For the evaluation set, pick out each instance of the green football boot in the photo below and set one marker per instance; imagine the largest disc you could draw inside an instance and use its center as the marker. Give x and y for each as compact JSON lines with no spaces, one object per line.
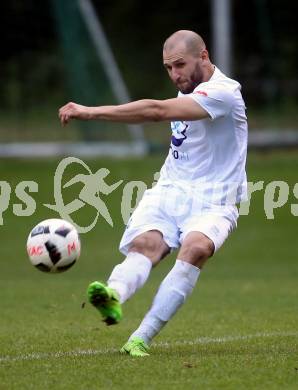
{"x":135,"y":347}
{"x":106,"y":301}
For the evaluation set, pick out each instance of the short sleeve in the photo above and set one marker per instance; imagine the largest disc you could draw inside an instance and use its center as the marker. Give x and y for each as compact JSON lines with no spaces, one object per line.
{"x":217,"y":102}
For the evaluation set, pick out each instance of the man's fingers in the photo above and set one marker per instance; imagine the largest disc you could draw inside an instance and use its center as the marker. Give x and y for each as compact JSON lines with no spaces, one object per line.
{"x":64,"y":119}
{"x":63,"y":108}
{"x":64,"y":113}
{"x":68,"y":112}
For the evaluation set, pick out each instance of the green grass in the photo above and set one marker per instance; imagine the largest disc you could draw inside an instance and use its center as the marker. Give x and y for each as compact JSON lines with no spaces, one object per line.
{"x":238,"y":330}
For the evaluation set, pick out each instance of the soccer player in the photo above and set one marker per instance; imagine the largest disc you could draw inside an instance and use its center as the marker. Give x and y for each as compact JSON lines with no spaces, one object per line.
{"x":193,"y":205}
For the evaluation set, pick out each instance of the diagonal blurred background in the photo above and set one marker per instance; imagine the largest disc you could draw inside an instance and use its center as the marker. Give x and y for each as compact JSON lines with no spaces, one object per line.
{"x":52,"y":53}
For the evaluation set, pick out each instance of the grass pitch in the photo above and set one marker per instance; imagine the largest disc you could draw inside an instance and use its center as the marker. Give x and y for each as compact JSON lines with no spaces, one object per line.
{"x":238,"y":330}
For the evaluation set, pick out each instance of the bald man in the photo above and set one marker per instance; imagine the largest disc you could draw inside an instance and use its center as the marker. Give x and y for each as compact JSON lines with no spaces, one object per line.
{"x":192,"y":208}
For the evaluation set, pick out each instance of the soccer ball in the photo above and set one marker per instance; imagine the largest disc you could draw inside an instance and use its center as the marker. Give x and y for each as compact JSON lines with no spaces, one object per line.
{"x":53,"y":245}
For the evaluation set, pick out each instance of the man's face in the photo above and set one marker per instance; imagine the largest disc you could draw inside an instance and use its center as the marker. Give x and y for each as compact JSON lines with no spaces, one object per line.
{"x":184,"y":69}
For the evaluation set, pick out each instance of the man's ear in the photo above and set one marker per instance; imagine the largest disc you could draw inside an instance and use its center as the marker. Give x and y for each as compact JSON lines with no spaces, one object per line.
{"x":205,"y":54}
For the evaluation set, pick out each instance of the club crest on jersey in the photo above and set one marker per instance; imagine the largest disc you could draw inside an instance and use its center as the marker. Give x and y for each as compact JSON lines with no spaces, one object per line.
{"x":178,"y":132}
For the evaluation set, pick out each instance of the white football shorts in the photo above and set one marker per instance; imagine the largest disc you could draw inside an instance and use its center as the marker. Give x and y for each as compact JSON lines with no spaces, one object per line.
{"x":176,"y":211}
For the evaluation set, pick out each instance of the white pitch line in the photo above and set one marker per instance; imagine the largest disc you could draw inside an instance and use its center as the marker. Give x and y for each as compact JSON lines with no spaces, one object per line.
{"x":225,"y":339}
{"x":92,"y":352}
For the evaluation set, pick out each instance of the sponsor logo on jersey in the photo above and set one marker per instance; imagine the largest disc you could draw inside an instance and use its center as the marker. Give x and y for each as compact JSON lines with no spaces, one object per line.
{"x":178,"y":132}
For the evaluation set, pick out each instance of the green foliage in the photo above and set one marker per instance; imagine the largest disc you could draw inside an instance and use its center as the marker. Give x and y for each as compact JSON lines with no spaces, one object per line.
{"x":38,"y":59}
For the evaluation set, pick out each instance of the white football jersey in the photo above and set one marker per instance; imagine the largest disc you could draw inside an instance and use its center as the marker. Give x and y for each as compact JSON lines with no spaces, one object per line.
{"x":209,"y":155}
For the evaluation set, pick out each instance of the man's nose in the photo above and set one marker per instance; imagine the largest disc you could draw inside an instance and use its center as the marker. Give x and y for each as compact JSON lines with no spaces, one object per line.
{"x":175,"y":75}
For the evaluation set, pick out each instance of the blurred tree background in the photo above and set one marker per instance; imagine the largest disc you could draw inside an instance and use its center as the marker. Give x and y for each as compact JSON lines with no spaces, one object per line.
{"x":37,"y":59}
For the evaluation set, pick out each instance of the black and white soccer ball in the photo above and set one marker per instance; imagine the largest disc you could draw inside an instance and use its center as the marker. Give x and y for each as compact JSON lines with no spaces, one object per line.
{"x":53,"y":245}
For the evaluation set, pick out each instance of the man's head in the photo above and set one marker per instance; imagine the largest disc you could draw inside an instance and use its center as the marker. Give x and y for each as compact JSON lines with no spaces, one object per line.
{"x":186,"y":59}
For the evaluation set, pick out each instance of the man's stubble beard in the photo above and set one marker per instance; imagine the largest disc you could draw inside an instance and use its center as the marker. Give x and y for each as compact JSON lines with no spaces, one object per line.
{"x":195,"y":79}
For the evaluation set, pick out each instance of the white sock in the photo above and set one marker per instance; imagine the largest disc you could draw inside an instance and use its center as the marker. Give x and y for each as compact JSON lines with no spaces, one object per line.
{"x":172,"y":293}
{"x":127,"y":277}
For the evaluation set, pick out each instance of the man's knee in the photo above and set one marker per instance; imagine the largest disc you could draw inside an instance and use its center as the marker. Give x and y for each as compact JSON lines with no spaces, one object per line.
{"x":199,"y":251}
{"x":143,"y":242}
{"x":151,"y":244}
{"x":196,"y":249}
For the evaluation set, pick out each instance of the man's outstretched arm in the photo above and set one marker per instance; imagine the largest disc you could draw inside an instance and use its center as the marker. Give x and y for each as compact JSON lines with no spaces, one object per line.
{"x":140,"y":111}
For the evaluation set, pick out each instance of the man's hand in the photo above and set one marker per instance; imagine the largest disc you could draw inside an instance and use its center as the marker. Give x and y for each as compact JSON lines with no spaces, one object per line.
{"x":73,"y":111}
